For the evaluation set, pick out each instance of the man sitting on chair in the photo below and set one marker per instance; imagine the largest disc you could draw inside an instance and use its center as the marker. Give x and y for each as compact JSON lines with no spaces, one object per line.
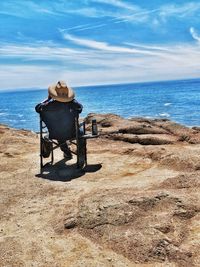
{"x":60,"y":110}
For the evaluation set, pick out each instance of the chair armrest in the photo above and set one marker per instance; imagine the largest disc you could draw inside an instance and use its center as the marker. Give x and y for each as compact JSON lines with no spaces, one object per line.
{"x":89,"y":136}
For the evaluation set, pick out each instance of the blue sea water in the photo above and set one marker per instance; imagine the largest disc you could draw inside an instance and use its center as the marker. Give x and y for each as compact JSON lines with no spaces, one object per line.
{"x":175,"y":100}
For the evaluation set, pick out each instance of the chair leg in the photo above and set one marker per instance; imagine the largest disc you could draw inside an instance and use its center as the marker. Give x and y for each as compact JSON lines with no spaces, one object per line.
{"x":52,"y":156}
{"x":41,"y":158}
{"x":85,"y":151}
{"x":78,"y":157}
{"x":77,"y":153}
{"x":81,"y":153}
{"x":41,"y":163}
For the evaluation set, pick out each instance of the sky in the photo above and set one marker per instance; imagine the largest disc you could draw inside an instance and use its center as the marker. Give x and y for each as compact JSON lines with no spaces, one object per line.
{"x":90,"y":42}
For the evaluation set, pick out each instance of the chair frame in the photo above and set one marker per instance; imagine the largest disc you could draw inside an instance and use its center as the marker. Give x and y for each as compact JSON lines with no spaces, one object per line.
{"x":75,"y":141}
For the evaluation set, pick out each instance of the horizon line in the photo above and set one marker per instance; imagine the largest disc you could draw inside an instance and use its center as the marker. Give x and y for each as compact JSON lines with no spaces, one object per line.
{"x":95,"y":85}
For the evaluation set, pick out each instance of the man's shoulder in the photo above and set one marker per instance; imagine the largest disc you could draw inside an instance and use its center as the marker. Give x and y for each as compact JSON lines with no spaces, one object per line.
{"x":41,"y":106}
{"x":76,"y":105}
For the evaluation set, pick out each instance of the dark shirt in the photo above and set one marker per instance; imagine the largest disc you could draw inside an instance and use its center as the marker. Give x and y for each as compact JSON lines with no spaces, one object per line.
{"x":59,"y":117}
{"x":74,"y":104}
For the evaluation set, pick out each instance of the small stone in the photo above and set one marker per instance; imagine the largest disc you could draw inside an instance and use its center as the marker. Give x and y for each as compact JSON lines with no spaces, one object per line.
{"x":70,"y":223}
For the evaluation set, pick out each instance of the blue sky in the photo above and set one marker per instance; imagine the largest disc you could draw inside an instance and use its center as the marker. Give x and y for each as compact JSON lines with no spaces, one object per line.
{"x":97,"y":41}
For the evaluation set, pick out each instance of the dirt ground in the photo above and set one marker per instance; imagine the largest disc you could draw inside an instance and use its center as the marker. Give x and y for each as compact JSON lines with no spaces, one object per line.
{"x":134,"y":205}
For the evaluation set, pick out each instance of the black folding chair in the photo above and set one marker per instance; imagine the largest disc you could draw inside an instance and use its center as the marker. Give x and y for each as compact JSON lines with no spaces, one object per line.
{"x":79,"y":141}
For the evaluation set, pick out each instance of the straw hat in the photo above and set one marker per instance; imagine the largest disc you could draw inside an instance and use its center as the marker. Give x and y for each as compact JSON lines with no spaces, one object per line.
{"x":61,"y":92}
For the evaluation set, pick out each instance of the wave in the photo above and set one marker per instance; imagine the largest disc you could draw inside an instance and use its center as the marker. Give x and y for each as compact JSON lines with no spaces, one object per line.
{"x":167,"y":104}
{"x":164,"y":115}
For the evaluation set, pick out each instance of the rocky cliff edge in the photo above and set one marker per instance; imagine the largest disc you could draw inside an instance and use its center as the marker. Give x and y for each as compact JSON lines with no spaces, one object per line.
{"x":136,"y":203}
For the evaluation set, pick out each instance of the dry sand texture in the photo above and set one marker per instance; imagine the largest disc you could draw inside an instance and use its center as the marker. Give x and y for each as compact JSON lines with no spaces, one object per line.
{"x":136,"y":204}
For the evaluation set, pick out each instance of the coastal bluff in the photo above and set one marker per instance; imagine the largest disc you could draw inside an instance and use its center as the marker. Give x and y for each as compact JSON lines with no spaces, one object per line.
{"x":137,"y":203}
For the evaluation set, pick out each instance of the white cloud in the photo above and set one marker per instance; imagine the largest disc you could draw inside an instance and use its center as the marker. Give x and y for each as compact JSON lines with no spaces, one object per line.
{"x":114,"y":69}
{"x":102,"y":64}
{"x":150,"y":47}
{"x":187,"y":9}
{"x":39,"y":52}
{"x":140,"y":16}
{"x":120,"y":11}
{"x":117,"y":3}
{"x":25,"y":9}
{"x":106,"y":47}
{"x":83,"y":27}
{"x":133,"y":13}
{"x":26,"y":76}
{"x":194,"y":34}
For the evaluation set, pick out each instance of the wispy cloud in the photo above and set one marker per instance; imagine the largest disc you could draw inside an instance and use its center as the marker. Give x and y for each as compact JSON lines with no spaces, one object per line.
{"x":139,"y":16}
{"x":118,"y":3}
{"x":103,"y":62}
{"x":33,"y":76}
{"x":78,"y":27}
{"x":25,"y":9}
{"x":108,"y":40}
{"x":112,"y":68}
{"x":83,"y":27}
{"x":181,"y":10}
{"x":37,"y":52}
{"x":135,"y":14}
{"x":103,"y":46}
{"x":119,"y":10}
{"x":149,"y":47}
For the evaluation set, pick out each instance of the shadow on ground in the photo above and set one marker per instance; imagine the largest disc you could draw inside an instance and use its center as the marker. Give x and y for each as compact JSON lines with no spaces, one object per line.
{"x":60,"y":171}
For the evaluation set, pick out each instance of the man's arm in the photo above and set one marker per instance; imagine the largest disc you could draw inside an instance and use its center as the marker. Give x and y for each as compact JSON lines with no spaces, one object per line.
{"x":77,"y":106}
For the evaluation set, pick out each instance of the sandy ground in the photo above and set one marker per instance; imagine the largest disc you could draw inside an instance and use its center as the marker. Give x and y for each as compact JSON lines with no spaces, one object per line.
{"x":134,"y":205}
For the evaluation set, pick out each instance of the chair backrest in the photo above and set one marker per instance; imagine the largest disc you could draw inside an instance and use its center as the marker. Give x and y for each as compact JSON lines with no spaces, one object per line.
{"x":60,"y":120}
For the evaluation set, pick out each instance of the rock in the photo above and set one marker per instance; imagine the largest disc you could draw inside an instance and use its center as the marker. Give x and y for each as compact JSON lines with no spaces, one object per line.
{"x":136,"y":203}
{"x":144,"y":139}
{"x":70,"y":223}
{"x":143,"y":224}
{"x":143,"y":131}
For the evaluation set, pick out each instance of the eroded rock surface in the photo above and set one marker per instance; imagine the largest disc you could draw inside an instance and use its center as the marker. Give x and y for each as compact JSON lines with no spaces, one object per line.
{"x":150,"y":228}
{"x":136,"y":204}
{"x":144,"y":131}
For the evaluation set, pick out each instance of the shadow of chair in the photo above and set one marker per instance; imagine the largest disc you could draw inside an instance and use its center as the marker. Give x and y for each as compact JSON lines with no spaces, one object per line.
{"x":65,"y":173}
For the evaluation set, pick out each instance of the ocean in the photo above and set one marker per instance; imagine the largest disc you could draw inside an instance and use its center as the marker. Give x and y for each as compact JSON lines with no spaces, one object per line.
{"x":178,"y":101}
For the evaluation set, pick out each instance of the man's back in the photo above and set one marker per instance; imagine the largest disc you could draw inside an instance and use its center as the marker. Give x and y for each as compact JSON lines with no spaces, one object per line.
{"x":59,"y":118}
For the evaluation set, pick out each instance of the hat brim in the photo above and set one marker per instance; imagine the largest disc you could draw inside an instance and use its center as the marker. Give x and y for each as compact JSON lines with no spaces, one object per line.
{"x":53,"y":94}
